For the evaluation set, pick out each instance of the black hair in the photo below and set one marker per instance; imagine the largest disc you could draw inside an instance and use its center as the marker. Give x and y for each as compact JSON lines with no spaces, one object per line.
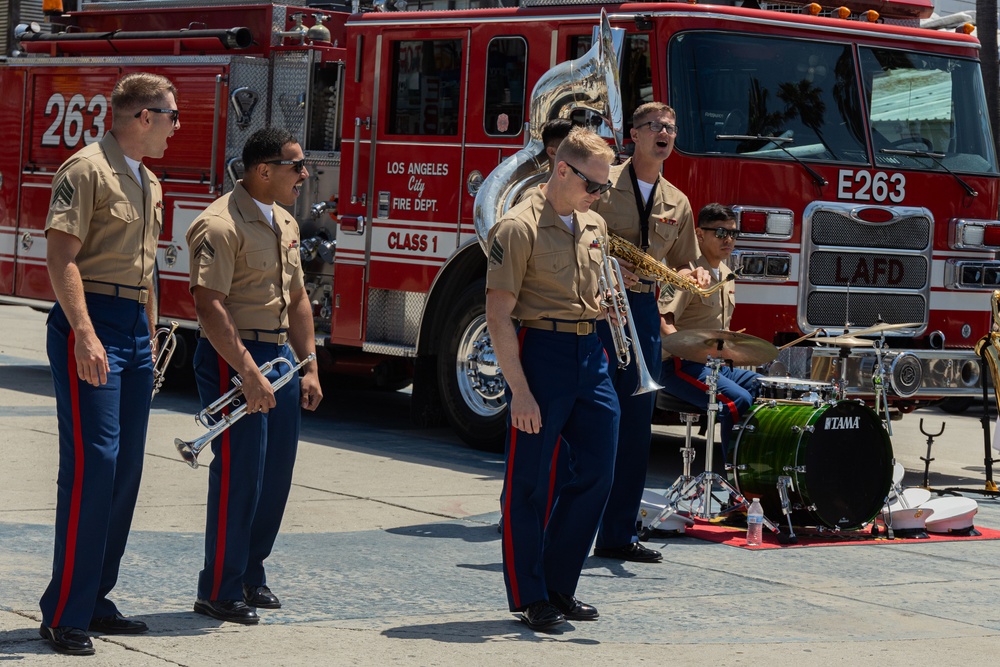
{"x":714,"y":213}
{"x":264,"y":145}
{"x":555,"y":130}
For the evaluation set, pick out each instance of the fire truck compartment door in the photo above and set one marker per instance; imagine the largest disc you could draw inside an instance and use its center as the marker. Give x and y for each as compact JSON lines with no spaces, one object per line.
{"x":11,"y":106}
{"x":416,"y":169}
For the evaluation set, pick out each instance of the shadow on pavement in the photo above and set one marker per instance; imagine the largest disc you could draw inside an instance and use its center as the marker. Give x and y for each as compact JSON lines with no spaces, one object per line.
{"x":481,"y":632}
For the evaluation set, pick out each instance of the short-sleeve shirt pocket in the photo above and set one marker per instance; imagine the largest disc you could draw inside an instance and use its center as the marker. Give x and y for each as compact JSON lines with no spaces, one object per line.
{"x":124,"y":211}
{"x":262,"y":260}
{"x":553,"y":263}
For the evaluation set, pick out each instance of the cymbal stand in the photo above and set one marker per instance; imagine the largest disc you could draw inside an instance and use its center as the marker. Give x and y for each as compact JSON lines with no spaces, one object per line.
{"x":878,"y":379}
{"x":698,"y":490}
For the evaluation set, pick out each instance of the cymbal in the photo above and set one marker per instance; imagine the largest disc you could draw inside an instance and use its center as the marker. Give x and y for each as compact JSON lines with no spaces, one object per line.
{"x":885,"y":326}
{"x":845,"y":341}
{"x":740,"y":348}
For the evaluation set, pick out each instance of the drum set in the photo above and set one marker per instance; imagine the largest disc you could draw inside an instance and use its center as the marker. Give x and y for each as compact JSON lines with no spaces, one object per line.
{"x":807,"y":451}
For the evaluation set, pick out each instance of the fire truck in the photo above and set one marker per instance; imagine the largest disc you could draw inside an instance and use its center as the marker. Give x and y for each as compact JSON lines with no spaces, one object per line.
{"x":853,"y":145}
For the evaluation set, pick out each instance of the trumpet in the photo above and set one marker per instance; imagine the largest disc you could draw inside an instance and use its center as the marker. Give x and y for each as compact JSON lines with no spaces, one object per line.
{"x":165,"y":342}
{"x":617,"y":304}
{"x":645,"y":264}
{"x":216,"y":423}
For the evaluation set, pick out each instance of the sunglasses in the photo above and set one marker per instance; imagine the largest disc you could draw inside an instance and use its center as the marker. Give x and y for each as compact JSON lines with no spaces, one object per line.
{"x":174,"y":113}
{"x":656,"y":126}
{"x":722,"y":232}
{"x":592,"y":187}
{"x":297,"y":165}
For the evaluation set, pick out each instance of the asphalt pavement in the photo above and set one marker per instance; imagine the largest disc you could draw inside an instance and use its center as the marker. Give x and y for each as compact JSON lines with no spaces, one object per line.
{"x":389,"y":554}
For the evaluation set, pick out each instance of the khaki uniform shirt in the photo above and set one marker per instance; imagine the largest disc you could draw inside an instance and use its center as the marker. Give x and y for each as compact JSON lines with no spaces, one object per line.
{"x":235,"y":251}
{"x":671,"y":223}
{"x":691,"y":311}
{"x":551,"y":270}
{"x":96,"y":198}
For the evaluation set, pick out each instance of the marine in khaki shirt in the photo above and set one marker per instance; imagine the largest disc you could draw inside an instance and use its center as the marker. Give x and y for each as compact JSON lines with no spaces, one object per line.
{"x":552,"y":270}
{"x":543,"y":269}
{"x":688,"y":311}
{"x":236,"y":251}
{"x":671,"y":223}
{"x":97,"y":198}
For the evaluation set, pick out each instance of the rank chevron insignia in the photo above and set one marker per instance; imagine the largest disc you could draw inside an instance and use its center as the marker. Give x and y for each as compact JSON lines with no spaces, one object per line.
{"x":62,"y":193}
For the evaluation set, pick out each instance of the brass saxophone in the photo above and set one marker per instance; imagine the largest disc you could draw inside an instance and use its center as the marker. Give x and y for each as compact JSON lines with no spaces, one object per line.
{"x":645,"y":264}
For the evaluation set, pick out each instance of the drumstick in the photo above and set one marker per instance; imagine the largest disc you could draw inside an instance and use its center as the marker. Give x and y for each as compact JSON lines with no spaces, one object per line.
{"x":799,"y":340}
{"x":741,"y":330}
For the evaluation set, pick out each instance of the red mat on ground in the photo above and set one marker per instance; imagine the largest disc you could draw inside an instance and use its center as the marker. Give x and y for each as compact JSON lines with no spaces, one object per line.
{"x":737,"y":537}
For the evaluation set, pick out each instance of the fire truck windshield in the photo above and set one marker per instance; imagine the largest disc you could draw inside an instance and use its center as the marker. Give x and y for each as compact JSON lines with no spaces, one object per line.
{"x":740,"y":94}
{"x":927,"y":104}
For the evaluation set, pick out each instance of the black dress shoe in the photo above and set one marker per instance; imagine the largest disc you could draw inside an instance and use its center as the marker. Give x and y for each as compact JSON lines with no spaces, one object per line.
{"x":542,"y":615}
{"x":72,"y":641}
{"x":634,"y":552}
{"x":260,"y":596}
{"x":573,"y":609}
{"x":117,"y":625}
{"x":235,"y":611}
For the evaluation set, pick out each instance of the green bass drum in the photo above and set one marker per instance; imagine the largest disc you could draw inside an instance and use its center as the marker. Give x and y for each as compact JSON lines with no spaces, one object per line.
{"x":838,"y":455}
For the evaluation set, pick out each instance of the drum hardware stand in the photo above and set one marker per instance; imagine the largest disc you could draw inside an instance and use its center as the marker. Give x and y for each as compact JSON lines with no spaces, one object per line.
{"x":878,"y":379}
{"x":702,"y":485}
{"x":784,"y":484}
{"x":677,"y":489}
{"x":927,"y":459}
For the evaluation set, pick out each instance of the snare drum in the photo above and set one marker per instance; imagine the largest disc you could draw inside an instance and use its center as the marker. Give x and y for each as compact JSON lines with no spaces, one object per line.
{"x":838,"y":455}
{"x":796,"y":389}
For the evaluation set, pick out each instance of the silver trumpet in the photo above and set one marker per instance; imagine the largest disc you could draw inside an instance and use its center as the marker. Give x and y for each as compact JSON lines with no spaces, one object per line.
{"x":166,"y":342}
{"x":619,"y":313}
{"x":216,"y":421}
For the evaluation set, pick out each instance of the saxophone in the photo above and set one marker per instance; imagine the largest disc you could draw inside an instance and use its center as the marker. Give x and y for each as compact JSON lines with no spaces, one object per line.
{"x":645,"y":264}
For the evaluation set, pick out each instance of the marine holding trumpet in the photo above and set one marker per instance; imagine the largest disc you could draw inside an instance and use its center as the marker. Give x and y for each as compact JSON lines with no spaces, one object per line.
{"x":650,"y":213}
{"x":686,"y":378}
{"x":103,"y":223}
{"x":247,"y":283}
{"x":544,"y":266}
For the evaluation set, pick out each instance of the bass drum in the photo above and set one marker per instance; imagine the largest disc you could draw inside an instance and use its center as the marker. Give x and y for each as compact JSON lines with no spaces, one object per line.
{"x":838,"y":455}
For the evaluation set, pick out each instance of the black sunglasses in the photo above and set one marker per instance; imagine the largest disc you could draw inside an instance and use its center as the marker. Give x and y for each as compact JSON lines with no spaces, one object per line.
{"x":174,"y":113}
{"x":722,"y":232}
{"x":297,"y":165}
{"x":592,"y":187}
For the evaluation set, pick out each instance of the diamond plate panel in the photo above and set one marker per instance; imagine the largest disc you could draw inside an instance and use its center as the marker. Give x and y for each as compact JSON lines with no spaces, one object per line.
{"x":394,"y":317}
{"x":252,"y":74}
{"x":828,"y":309}
{"x":889,"y":271}
{"x":835,"y":228}
{"x":288,"y":97}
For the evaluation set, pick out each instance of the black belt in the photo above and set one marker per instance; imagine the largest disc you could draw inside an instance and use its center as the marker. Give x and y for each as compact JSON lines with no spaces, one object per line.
{"x":130,"y":292}
{"x":581,"y":328}
{"x":276,"y":337}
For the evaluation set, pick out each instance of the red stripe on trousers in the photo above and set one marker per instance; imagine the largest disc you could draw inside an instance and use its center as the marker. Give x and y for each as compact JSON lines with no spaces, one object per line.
{"x":220,"y":536}
{"x":722,"y":398}
{"x":508,"y":541}
{"x":552,"y":480}
{"x":73,"y":527}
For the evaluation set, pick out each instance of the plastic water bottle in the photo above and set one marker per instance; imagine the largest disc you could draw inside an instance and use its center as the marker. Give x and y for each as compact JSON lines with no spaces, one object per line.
{"x":755,"y":523}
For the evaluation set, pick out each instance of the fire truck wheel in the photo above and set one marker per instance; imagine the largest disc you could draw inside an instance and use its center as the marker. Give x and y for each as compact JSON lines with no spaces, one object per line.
{"x":469,"y":379}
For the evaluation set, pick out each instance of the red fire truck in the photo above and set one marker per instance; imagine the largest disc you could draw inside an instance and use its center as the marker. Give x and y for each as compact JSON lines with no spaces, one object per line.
{"x":856,"y":152}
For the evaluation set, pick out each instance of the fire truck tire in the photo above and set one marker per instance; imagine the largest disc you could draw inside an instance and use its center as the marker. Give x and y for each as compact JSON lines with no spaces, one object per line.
{"x":469,"y":381}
